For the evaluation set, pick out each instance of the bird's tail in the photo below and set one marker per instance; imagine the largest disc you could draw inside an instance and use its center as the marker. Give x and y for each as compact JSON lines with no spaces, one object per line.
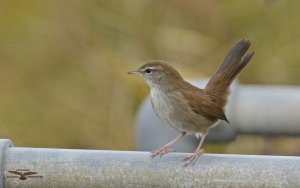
{"x":234,"y":62}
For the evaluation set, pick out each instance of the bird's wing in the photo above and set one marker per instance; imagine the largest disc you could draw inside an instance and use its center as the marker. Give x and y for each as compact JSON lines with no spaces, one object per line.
{"x":29,"y":173}
{"x":201,"y":103}
{"x":16,"y":172}
{"x":210,"y":109}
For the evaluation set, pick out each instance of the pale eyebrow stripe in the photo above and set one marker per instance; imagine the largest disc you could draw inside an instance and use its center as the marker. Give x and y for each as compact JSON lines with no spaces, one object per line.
{"x":152,"y":68}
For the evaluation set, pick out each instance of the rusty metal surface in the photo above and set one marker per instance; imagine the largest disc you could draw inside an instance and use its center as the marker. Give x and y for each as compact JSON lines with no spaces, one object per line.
{"x":94,"y":168}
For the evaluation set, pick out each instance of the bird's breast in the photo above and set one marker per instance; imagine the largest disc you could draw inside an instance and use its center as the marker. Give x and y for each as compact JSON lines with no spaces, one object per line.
{"x":170,"y":107}
{"x":162,"y":105}
{"x":173,"y":109}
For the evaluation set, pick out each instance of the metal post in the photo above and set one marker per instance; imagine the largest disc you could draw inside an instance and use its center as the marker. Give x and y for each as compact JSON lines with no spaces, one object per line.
{"x":4,"y":145}
{"x":66,"y":168}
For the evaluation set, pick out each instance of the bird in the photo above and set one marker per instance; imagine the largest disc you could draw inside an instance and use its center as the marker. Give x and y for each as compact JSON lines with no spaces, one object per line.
{"x":189,"y":109}
{"x":23,"y":176}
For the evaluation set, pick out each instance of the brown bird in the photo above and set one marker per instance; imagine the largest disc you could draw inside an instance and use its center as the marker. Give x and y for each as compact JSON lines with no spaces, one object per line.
{"x":23,"y":176}
{"x":188,"y":109}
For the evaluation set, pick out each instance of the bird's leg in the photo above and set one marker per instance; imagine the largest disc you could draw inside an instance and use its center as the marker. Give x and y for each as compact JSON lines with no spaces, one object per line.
{"x":167,"y":148}
{"x":193,"y":158}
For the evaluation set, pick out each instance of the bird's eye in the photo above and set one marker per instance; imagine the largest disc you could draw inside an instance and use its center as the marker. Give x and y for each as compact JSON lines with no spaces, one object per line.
{"x":148,"y":71}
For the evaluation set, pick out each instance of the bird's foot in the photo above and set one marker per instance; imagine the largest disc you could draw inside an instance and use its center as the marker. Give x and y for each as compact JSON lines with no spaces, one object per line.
{"x":162,"y":151}
{"x":190,"y":160}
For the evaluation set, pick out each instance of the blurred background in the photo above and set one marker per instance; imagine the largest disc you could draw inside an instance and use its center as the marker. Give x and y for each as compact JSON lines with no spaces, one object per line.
{"x":63,"y":64}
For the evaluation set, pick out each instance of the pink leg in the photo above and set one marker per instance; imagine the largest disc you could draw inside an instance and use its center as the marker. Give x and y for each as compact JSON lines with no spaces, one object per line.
{"x":193,"y":158}
{"x":167,"y":148}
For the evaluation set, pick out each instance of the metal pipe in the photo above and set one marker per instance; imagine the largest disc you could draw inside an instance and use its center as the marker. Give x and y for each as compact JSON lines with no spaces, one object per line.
{"x":66,"y":168}
{"x":4,"y":145}
{"x":267,"y":109}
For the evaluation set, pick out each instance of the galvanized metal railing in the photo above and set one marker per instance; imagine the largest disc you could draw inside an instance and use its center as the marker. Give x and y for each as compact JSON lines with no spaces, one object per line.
{"x":67,"y":168}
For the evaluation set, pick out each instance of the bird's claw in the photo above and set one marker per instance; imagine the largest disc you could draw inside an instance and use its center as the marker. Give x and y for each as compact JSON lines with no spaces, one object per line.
{"x":162,"y":151}
{"x":190,"y":160}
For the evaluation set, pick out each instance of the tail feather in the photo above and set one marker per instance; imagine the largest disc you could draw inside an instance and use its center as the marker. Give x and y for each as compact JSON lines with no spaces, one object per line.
{"x":218,"y":85}
{"x":234,"y":55}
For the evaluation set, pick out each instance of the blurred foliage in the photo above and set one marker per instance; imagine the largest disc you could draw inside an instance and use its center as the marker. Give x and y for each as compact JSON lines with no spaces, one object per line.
{"x":63,"y":63}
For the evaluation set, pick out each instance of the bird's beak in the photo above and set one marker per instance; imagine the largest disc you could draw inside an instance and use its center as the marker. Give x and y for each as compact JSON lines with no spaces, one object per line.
{"x":134,"y":72}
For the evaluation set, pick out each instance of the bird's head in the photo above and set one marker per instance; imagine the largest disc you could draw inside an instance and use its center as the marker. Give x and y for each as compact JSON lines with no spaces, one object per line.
{"x":158,"y":73}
